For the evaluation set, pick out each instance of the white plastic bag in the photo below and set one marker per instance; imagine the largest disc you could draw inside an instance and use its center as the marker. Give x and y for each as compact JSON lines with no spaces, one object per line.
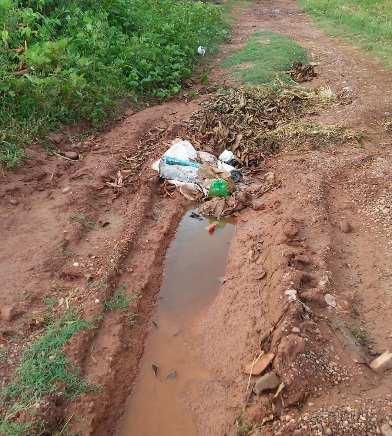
{"x":180,"y":150}
{"x":177,"y":172}
{"x":226,"y":156}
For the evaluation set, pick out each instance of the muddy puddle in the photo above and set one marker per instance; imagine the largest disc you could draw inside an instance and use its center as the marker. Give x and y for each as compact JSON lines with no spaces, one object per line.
{"x":171,"y":367}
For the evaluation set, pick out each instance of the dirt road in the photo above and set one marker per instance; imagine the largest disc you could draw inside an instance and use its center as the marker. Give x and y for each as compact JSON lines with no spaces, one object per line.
{"x":73,"y":232}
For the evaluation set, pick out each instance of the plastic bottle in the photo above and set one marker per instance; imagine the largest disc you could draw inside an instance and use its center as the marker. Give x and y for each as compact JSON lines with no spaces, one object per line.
{"x":219,"y":188}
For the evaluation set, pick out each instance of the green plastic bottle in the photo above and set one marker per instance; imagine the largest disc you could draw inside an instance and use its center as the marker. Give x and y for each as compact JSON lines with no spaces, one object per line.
{"x":219,"y":188}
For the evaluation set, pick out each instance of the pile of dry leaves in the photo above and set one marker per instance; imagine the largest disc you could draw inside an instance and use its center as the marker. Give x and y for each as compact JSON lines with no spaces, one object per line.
{"x":244,"y":120}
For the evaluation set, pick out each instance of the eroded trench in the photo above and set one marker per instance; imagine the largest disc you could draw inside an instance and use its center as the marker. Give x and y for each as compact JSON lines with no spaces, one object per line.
{"x":194,"y":264}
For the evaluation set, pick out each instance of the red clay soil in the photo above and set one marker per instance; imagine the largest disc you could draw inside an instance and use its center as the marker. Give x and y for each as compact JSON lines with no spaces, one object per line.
{"x":69,"y":234}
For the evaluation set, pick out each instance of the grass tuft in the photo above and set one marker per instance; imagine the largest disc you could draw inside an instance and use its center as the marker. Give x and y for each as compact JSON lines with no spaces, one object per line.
{"x":120,"y":301}
{"x":10,"y":154}
{"x":44,"y":370}
{"x":303,"y":134}
{"x":367,"y":23}
{"x":266,"y":57}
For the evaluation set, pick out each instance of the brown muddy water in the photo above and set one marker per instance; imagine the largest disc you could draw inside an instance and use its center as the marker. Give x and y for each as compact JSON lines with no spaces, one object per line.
{"x":195,"y":262}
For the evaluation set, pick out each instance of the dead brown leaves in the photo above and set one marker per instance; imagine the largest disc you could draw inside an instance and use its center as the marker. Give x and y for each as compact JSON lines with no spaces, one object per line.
{"x":242,"y":120}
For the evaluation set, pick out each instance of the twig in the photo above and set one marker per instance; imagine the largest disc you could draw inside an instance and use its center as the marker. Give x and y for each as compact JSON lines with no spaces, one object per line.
{"x":250,"y":375}
{"x":66,"y":423}
{"x":63,"y":157}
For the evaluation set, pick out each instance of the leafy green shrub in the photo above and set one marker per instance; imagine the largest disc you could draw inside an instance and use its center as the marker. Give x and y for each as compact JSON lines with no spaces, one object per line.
{"x":62,"y":61}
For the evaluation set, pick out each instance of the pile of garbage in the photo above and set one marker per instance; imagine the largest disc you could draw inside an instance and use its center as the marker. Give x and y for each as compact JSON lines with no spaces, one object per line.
{"x":201,"y":176}
{"x":198,"y":174}
{"x":244,"y":120}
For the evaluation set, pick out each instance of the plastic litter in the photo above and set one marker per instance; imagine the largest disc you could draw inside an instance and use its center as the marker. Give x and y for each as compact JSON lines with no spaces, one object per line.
{"x":219,"y":188}
{"x":226,"y":156}
{"x":191,"y":191}
{"x":206,"y":157}
{"x":185,"y":163}
{"x":201,"y":50}
{"x":197,"y":174}
{"x":179,"y":149}
{"x":179,"y":173}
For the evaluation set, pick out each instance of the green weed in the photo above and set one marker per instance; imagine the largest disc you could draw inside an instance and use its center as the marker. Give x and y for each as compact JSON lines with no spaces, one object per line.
{"x":66,"y":61}
{"x":44,"y":365}
{"x":10,"y":428}
{"x":44,"y":369}
{"x":368,"y":23}
{"x":10,"y":154}
{"x":118,"y":302}
{"x":267,"y":56}
{"x":360,"y":335}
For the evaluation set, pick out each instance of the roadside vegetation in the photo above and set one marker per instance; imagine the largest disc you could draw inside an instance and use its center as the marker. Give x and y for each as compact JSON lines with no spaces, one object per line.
{"x":70,"y":61}
{"x":44,"y":371}
{"x":368,"y":21}
{"x":266,"y":57}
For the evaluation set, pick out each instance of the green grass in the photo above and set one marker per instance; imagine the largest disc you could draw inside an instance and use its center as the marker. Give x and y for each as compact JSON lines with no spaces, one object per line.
{"x":64,"y":61}
{"x":120,"y":301}
{"x":266,"y":57}
{"x":10,"y":428}
{"x":44,"y":369}
{"x":367,"y":23}
{"x":10,"y":154}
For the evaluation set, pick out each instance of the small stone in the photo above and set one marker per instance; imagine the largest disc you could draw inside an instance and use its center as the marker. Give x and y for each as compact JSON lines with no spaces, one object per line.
{"x":75,"y":264}
{"x":66,"y":190}
{"x":328,"y":431}
{"x":382,"y":362}
{"x":71,"y":155}
{"x":14,"y":201}
{"x":296,"y":330}
{"x":345,"y":226}
{"x":330,"y":300}
{"x":266,"y":382}
{"x":261,"y":365}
